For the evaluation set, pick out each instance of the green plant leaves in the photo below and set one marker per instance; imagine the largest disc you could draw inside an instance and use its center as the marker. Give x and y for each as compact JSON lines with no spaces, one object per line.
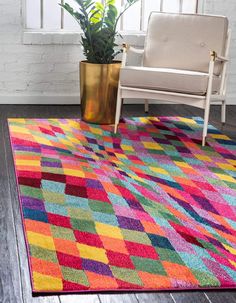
{"x":98,"y":22}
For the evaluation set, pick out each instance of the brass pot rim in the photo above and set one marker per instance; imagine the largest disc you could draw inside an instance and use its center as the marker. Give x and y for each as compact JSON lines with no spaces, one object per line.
{"x":113,"y":62}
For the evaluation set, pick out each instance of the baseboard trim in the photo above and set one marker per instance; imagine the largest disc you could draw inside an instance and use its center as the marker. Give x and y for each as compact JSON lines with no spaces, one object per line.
{"x":71,"y":100}
{"x":54,"y":99}
{"x":40,"y":99}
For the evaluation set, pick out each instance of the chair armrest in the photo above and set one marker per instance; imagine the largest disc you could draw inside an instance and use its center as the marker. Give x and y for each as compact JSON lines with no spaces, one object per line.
{"x":222,"y":59}
{"x":127,"y":48}
{"x":215,"y":57}
{"x":136,"y":50}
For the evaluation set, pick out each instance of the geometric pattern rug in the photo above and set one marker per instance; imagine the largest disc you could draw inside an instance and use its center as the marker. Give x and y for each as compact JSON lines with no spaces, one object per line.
{"x":146,"y":209}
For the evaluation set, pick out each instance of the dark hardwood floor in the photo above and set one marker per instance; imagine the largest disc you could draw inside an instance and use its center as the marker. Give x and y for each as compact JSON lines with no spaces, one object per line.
{"x":14,"y":275}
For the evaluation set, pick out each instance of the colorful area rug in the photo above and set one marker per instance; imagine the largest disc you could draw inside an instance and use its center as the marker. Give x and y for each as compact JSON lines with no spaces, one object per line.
{"x":146,"y":209}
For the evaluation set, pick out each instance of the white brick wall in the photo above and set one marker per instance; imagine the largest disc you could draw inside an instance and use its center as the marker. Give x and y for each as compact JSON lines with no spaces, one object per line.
{"x":28,"y":72}
{"x":227,"y":8}
{"x":44,"y":68}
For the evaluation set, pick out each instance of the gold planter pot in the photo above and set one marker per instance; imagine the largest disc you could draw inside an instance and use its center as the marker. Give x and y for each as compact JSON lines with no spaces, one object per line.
{"x":98,"y":89}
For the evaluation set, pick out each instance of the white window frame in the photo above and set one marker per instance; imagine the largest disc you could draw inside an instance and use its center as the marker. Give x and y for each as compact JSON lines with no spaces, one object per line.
{"x":44,"y":36}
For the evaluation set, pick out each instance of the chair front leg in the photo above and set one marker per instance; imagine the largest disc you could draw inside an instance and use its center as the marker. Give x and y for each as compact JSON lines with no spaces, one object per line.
{"x":223,"y":112}
{"x":119,"y":101}
{"x":208,"y":98}
{"x":118,"y":109}
{"x":206,"y":121}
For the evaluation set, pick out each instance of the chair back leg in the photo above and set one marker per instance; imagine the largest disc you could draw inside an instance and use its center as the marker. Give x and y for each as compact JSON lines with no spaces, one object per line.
{"x":224,"y":79}
{"x":146,"y":106}
{"x":223,"y":112}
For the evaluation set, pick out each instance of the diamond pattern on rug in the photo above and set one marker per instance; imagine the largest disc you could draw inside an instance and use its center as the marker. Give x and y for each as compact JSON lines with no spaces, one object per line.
{"x":146,"y":209}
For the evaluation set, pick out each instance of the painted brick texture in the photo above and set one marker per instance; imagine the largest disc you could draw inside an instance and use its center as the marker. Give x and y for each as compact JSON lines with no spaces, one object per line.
{"x":43,"y":68}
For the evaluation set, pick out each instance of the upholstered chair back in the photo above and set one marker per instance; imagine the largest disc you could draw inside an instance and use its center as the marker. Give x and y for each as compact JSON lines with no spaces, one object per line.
{"x":184,"y":41}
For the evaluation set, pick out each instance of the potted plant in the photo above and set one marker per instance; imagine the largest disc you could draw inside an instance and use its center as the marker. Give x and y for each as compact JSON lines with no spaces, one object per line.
{"x":99,"y":74}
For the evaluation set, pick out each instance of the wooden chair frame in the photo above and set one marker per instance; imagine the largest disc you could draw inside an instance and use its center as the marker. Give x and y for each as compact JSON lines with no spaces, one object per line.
{"x":199,"y":101}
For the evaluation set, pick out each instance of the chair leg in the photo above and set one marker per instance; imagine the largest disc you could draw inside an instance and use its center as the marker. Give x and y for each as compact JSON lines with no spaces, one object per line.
{"x":206,"y":120}
{"x":146,"y":106}
{"x":223,"y":112}
{"x":118,"y":111}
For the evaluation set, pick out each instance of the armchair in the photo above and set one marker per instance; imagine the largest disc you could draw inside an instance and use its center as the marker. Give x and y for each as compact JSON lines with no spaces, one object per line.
{"x":185,"y":61}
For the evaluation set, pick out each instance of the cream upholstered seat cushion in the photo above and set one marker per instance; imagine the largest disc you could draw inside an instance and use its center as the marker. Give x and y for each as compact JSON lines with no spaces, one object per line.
{"x":166,"y":79}
{"x":177,"y":54}
{"x":184,"y":41}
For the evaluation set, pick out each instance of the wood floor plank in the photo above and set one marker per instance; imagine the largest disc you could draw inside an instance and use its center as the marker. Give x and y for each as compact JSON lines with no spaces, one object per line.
{"x":10,"y":289}
{"x":189,"y":297}
{"x":154,"y":297}
{"x":118,"y":298}
{"x":43,"y":299}
{"x":23,"y":260}
{"x":221,"y":296}
{"x":79,"y":298}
